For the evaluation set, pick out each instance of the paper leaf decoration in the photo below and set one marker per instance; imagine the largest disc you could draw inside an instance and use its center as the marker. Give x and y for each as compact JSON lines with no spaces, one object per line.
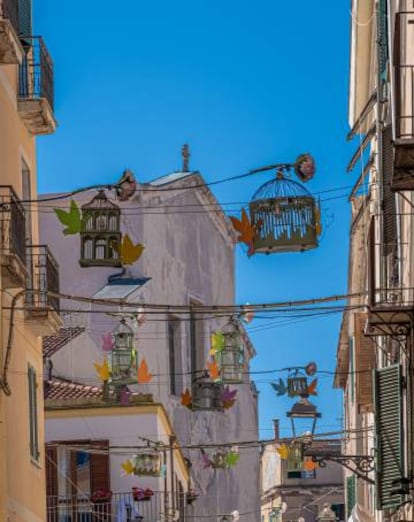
{"x":213,"y":370}
{"x":143,"y":374}
{"x":207,"y":463}
{"x":124,"y":397}
{"x":247,"y":314}
{"x":283,"y":451}
{"x":279,"y":387}
{"x":245,"y":230}
{"x":309,"y":465}
{"x":128,"y":467}
{"x":103,"y":370}
{"x":311,"y":389}
{"x":232,"y":458}
{"x":217,"y":342}
{"x":71,"y":220}
{"x":127,"y":251}
{"x":228,"y":397}
{"x":107,"y":342}
{"x":186,"y":399}
{"x":305,"y":167}
{"x":126,"y":186}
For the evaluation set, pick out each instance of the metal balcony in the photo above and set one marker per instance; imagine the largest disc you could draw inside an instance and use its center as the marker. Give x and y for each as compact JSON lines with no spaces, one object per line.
{"x":42,"y":307}
{"x":12,"y":239}
{"x":36,"y":88}
{"x":11,"y":51}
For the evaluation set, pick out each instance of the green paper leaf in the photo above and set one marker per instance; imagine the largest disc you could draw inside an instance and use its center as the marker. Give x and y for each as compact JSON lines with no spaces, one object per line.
{"x":217,"y":341}
{"x":232,"y":458}
{"x":71,"y":220}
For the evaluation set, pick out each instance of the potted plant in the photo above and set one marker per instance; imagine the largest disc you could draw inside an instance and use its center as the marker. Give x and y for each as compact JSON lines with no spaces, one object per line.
{"x":140,"y":494}
{"x":100,"y":496}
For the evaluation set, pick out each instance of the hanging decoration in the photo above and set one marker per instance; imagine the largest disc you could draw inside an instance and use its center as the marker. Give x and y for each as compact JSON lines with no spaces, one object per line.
{"x":284,"y":216}
{"x":224,"y":458}
{"x":107,"y":342}
{"x":297,"y":384}
{"x":127,"y":251}
{"x":146,"y":462}
{"x":294,"y":454}
{"x":126,"y":186}
{"x":208,"y":395}
{"x":71,"y":220}
{"x":144,"y":376}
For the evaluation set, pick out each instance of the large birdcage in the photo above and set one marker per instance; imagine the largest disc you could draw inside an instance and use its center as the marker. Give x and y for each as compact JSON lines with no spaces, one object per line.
{"x":284,"y":216}
{"x":231,"y":356}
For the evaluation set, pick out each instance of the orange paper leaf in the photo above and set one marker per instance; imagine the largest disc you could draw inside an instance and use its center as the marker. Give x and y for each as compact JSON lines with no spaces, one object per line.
{"x":213,"y":370}
{"x":309,"y":465}
{"x":143,"y":374}
{"x":311,"y":389}
{"x":186,"y":399}
{"x":245,"y":230}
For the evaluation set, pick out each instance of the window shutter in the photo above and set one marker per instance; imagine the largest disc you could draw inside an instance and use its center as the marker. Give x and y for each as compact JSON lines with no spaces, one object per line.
{"x":25,"y":17}
{"x":364,"y":364}
{"x":33,"y":430}
{"x":51,"y":482}
{"x":388,"y":425}
{"x":350,"y":494}
{"x":99,"y":466}
{"x":382,"y":30}
{"x":388,"y":198}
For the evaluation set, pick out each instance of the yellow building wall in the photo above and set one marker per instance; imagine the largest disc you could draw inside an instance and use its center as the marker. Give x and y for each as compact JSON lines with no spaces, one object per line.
{"x":22,"y":482}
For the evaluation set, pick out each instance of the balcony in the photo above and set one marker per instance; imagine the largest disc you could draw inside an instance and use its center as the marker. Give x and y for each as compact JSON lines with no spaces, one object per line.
{"x":36,"y":90}
{"x":42,"y":308}
{"x":390,"y":295}
{"x":403,"y":178}
{"x":11,"y":50}
{"x":121,"y":506}
{"x":12,"y":239}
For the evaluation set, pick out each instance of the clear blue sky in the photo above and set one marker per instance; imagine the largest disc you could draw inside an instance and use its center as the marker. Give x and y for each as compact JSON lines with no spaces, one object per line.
{"x":245,"y":84}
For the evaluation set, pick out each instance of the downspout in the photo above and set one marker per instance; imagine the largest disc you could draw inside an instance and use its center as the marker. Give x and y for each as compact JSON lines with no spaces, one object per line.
{"x":3,"y":427}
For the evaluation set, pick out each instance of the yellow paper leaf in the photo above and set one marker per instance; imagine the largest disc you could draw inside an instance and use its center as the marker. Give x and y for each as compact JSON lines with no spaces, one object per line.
{"x":144,"y":375}
{"x":127,"y":251}
{"x":283,"y":451}
{"x":103,"y":370}
{"x":128,"y":467}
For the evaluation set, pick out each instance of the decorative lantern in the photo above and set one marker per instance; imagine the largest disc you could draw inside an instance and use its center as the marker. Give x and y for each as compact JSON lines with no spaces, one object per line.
{"x":297,"y":383}
{"x":123,"y":356}
{"x":100,"y":232}
{"x":147,"y":462}
{"x":219,"y":459}
{"x":304,"y":410}
{"x":231,"y":356}
{"x":207,"y":395}
{"x":284,"y":216}
{"x":295,"y":461}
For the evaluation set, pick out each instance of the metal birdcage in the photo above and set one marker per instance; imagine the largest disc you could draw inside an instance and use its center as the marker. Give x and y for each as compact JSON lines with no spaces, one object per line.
{"x":231,"y":357}
{"x":295,"y":461}
{"x":123,"y":356}
{"x":207,"y":394}
{"x":147,"y":462}
{"x":100,"y":232}
{"x":284,"y":216}
{"x":297,"y":383}
{"x":219,"y":459}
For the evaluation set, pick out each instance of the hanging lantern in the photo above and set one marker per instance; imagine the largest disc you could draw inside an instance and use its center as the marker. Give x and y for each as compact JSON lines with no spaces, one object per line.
{"x":100,"y":232}
{"x":231,"y":355}
{"x":222,"y":458}
{"x":123,"y":357}
{"x":147,"y":463}
{"x":297,"y":383}
{"x":219,"y":459}
{"x":207,"y":395}
{"x":295,"y":460}
{"x":284,"y":217}
{"x":303,"y":416}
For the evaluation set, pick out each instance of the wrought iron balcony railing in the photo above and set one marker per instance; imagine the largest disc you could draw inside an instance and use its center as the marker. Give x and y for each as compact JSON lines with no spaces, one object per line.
{"x":36,"y":71}
{"x":121,"y":506}
{"x":9,"y":10}
{"x":404,"y":93}
{"x":12,"y":224}
{"x":44,"y":279}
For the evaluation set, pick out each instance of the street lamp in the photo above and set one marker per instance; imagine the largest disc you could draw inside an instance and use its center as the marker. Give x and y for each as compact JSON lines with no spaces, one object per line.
{"x":327,"y":514}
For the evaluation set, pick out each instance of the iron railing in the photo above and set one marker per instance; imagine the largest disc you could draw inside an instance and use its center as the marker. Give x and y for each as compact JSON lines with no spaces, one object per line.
{"x":36,"y":71}
{"x":9,"y":10}
{"x":12,"y":224}
{"x":121,"y":506}
{"x":45,"y":279}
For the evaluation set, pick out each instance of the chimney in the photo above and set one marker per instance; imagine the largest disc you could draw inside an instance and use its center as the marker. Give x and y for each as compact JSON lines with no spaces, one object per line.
{"x":276,"y":434}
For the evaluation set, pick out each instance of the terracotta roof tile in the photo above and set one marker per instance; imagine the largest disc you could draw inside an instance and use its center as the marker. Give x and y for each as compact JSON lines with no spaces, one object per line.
{"x":64,"y":390}
{"x":53,"y":343}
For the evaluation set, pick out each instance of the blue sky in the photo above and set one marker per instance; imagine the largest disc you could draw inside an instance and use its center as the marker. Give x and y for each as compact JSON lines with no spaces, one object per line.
{"x":245,"y":84}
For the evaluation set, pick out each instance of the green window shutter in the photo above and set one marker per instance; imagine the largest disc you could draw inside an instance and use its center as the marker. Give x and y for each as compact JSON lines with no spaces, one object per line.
{"x":33,"y":426}
{"x":382,"y":29}
{"x":388,"y":426}
{"x":352,"y":369}
{"x":25,"y":17}
{"x":350,"y":487}
{"x":389,"y":208}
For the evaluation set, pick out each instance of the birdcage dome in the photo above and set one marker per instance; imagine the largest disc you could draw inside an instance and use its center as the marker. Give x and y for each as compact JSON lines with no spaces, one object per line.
{"x":284,"y":216}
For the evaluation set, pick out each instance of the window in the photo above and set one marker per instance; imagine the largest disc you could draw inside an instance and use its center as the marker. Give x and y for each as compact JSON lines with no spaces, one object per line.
{"x":34,"y":433}
{"x":175,"y":355}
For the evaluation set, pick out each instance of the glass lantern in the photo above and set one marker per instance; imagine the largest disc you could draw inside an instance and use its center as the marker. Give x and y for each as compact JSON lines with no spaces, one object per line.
{"x":303,"y":416}
{"x":207,"y":394}
{"x":295,"y":461}
{"x":297,"y":384}
{"x":147,"y":463}
{"x":231,"y":357}
{"x":122,"y":355}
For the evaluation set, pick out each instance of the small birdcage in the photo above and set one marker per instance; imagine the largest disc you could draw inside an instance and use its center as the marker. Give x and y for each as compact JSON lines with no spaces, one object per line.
{"x":100,"y":232}
{"x":231,"y":356}
{"x":207,"y":394}
{"x":219,"y":459}
{"x":297,"y":383}
{"x":148,"y":463}
{"x":123,"y":356}
{"x":295,"y":461}
{"x":284,"y":216}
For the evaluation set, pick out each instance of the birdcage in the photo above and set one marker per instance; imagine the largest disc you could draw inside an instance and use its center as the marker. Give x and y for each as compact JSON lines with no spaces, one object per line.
{"x":100,"y":232}
{"x":147,"y":462}
{"x":297,"y":383}
{"x":284,"y":216}
{"x":219,"y":459}
{"x":123,"y":356}
{"x":207,"y":394}
{"x":231,"y":356}
{"x":295,"y":461}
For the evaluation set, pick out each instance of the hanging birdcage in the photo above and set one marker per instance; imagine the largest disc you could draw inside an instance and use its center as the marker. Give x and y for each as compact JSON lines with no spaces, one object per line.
{"x":297,"y":383}
{"x":100,"y":232}
{"x":295,"y":461}
{"x":231,"y":356}
{"x":284,"y":216}
{"x":219,"y":459}
{"x":207,"y":394}
{"x":123,"y":356}
{"x":147,"y":462}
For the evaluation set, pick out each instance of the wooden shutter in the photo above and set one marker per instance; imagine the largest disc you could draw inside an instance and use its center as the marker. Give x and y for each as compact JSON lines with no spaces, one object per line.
{"x":350,"y":491}
{"x":388,"y":425}
{"x":388,"y":198}
{"x":25,"y":17}
{"x":99,"y":466}
{"x":51,"y":482}
{"x":382,"y":30}
{"x":365,"y":358}
{"x":33,"y":427}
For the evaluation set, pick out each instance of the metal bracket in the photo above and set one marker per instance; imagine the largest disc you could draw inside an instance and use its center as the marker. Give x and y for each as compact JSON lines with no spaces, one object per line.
{"x":360,"y":465}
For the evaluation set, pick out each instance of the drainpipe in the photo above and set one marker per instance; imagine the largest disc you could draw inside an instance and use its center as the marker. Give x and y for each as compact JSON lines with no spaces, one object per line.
{"x":172,"y":440}
{"x":3,"y":427}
